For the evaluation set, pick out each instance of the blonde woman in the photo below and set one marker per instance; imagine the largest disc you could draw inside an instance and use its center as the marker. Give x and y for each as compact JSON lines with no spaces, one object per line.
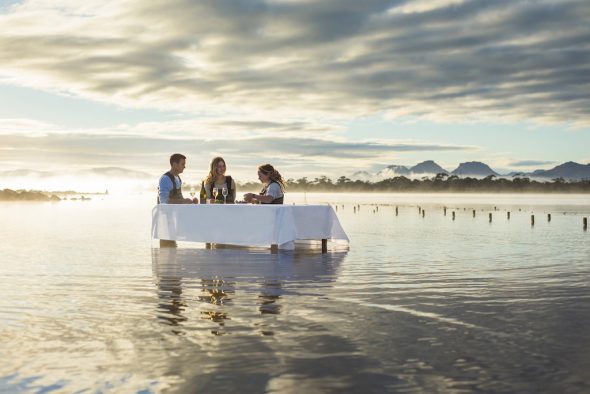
{"x":273,"y":191}
{"x":218,"y":180}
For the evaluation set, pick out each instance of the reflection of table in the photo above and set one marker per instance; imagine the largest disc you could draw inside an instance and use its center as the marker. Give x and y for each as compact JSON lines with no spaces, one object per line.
{"x":245,"y":224}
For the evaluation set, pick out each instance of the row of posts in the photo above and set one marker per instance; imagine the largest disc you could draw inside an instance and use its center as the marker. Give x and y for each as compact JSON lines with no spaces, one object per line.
{"x":423,"y":213}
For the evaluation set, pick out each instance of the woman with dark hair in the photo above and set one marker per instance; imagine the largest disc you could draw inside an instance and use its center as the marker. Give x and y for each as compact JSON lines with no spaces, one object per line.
{"x":273,"y":191}
{"x":216,"y":179}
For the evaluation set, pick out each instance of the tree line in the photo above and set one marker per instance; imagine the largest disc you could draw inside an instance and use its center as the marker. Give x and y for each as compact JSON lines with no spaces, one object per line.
{"x":439,"y":183}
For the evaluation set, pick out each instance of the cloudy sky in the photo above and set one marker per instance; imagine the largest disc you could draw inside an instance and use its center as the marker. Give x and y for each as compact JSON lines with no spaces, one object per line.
{"x":315,"y":87}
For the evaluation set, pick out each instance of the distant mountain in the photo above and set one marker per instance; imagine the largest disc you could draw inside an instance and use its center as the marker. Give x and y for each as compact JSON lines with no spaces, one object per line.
{"x":393,"y":171}
{"x":361,"y":176}
{"x":115,"y":172}
{"x":26,"y":173}
{"x":569,"y":170}
{"x":474,"y":168}
{"x":106,"y":172}
{"x":428,"y":167}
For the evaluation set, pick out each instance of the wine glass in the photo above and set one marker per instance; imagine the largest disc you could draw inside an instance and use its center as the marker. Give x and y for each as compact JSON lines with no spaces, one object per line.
{"x":215,"y":193}
{"x":192,"y":192}
{"x":224,"y":193}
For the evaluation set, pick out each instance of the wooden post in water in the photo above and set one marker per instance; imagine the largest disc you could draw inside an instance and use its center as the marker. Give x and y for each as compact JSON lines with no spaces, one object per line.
{"x":474,"y":213}
{"x":508,"y":215}
{"x":453,"y":215}
{"x":354,"y":209}
{"x":419,"y":210}
{"x":445,"y":210}
{"x":585,"y":223}
{"x":490,"y":217}
{"x":532,"y":220}
{"x":274,"y":249}
{"x":548,"y":217}
{"x":324,"y":246}
{"x":336,"y":208}
{"x":377,"y":208}
{"x":423,"y":213}
{"x":396,"y":211}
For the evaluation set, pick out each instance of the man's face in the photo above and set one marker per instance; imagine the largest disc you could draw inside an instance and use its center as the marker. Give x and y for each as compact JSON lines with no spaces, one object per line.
{"x":179,"y":166}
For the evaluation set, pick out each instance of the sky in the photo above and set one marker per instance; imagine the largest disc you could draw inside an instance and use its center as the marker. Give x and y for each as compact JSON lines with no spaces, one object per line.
{"x":316,"y":88}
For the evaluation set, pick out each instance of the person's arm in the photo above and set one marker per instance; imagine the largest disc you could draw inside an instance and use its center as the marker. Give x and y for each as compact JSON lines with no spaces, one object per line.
{"x":165,"y":189}
{"x":273,"y":191}
{"x":166,"y":186}
{"x":251,"y":197}
{"x":263,"y":199}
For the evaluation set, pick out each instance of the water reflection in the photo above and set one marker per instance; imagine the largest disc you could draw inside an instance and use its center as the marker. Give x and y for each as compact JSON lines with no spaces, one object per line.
{"x":257,"y":315}
{"x":269,"y":297}
{"x":171,"y":302}
{"x":214,"y":284}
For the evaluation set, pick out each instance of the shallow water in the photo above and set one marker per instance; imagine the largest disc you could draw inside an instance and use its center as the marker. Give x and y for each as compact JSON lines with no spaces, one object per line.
{"x":413,"y":304}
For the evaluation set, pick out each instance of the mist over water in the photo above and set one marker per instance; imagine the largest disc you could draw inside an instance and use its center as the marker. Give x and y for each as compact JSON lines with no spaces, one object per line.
{"x":412,"y":304}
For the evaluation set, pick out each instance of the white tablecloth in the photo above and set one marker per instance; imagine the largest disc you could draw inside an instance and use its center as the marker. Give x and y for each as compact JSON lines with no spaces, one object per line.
{"x":245,"y":224}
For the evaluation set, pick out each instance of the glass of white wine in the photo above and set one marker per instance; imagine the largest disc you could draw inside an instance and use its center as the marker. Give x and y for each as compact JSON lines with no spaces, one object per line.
{"x":224,"y":193}
{"x":215,"y":193}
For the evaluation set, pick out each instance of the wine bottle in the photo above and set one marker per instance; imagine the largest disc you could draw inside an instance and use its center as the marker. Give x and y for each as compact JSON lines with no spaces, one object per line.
{"x":202,"y":194}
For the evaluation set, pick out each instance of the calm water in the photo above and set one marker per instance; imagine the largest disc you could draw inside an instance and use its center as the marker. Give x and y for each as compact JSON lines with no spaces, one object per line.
{"x":88,"y":303}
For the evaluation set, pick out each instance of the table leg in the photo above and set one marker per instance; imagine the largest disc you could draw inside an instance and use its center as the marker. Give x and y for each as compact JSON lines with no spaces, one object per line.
{"x":324,"y":246}
{"x":164,"y":243}
{"x":274,"y":248}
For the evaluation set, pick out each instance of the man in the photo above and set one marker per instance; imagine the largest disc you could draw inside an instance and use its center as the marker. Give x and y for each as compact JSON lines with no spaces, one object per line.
{"x":170,"y":186}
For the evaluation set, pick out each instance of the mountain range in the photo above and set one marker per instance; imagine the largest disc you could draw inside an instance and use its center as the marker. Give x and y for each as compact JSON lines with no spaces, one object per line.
{"x":107,"y":172}
{"x":568,"y":171}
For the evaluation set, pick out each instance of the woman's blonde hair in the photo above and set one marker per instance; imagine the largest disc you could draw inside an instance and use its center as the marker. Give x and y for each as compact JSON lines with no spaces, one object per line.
{"x":213,"y":169}
{"x":273,"y":174}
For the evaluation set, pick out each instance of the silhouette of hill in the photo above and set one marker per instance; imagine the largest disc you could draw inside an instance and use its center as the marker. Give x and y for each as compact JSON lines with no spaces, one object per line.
{"x":428,"y":167}
{"x":108,"y":172}
{"x":474,"y":168}
{"x":26,"y":195}
{"x":362,"y":176}
{"x":393,"y":170}
{"x":569,"y":170}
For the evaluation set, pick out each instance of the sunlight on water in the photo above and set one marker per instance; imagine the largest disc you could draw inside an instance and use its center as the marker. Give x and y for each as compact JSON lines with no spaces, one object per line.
{"x":414,"y":303}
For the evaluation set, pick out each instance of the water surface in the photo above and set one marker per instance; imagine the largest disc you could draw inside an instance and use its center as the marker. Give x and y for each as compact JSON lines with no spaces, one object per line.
{"x":89,"y":303}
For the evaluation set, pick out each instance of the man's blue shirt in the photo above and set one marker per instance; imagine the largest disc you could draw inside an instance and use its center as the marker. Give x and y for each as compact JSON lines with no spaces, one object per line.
{"x":166,"y":187}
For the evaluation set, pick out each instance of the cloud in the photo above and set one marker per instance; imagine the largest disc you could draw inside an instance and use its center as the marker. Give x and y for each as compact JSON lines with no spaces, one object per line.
{"x":150,"y":154}
{"x":26,"y":127}
{"x":201,"y":128}
{"x":530,"y":163}
{"x":439,"y":60}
